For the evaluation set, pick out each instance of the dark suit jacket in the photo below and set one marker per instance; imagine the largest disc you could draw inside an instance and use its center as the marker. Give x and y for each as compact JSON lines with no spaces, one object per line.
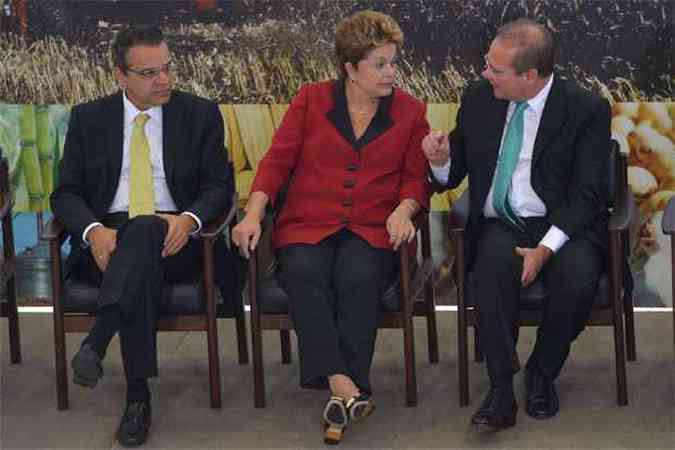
{"x":338,"y":182}
{"x":197,"y":171}
{"x":570,"y":161}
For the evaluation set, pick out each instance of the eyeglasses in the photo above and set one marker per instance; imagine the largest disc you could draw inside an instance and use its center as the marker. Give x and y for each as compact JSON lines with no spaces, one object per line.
{"x":154,"y":72}
{"x":380,"y":64}
{"x":496,"y":72}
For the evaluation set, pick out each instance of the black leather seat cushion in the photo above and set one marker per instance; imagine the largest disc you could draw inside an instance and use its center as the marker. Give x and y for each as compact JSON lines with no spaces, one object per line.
{"x":79,"y":296}
{"x":272,"y":299}
{"x":533,"y":296}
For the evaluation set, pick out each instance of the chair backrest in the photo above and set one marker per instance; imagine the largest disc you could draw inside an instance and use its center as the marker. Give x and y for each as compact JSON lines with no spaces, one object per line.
{"x":617,"y":180}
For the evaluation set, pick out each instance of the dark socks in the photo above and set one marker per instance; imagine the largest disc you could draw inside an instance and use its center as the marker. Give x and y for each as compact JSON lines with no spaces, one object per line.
{"x":138,"y":391}
{"x":108,"y":321}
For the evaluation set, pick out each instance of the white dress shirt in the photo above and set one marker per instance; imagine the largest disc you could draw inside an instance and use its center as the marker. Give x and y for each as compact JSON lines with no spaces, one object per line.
{"x":522,"y":198}
{"x":153,"y":132}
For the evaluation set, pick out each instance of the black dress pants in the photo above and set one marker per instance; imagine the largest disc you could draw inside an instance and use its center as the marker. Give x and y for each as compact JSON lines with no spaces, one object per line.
{"x":334,"y":287}
{"x":571,"y":277}
{"x":136,"y":279}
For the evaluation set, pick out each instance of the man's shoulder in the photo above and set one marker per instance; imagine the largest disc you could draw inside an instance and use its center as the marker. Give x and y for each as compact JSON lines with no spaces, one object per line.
{"x":578,"y":96}
{"x":98,"y":105}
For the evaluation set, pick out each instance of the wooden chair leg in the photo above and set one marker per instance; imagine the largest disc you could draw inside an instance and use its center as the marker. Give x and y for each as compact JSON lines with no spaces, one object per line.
{"x":256,"y":333}
{"x":258,"y":368}
{"x":286,"y":355}
{"x":13,"y":319}
{"x":630,"y":326}
{"x":214,"y":367}
{"x":409,"y":356}
{"x":463,"y":357}
{"x":241,"y":338}
{"x":620,"y":357}
{"x":60,"y":362}
{"x":478,"y":354}
{"x":432,"y":329}
{"x":615,"y":282}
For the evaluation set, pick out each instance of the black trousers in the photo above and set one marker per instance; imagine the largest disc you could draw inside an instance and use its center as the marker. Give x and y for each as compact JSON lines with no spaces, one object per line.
{"x":571,"y":276}
{"x":135,"y":279}
{"x":334,"y":287}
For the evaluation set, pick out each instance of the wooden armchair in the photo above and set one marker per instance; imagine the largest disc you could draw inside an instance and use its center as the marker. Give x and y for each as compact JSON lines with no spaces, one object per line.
{"x":410,"y":295}
{"x":187,"y":307}
{"x":668,"y":227}
{"x":613,"y":301}
{"x":8,"y":306}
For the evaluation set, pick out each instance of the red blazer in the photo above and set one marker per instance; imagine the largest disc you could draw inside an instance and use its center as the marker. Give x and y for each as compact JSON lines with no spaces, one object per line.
{"x":338,"y":182}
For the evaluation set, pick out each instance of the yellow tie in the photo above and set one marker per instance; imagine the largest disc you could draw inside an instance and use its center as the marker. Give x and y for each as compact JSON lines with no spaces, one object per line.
{"x":141,"y":191}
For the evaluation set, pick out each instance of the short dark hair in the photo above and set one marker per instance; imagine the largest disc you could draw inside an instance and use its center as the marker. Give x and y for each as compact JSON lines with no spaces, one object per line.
{"x":131,"y":36}
{"x":361,"y":32}
{"x":536,"y":47}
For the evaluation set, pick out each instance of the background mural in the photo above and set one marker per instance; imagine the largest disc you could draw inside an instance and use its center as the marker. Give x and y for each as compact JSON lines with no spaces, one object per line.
{"x":251,"y":56}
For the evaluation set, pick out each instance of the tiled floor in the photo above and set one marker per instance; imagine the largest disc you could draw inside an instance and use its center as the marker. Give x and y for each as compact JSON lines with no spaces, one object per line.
{"x":589,"y":417}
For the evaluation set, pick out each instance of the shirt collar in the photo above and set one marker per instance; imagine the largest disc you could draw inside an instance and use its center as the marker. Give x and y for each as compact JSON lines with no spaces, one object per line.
{"x":130,"y":111}
{"x":537,"y":102}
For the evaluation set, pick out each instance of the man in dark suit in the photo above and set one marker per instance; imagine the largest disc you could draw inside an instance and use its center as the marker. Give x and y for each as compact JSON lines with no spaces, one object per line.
{"x":536,"y":151}
{"x":142,"y":171}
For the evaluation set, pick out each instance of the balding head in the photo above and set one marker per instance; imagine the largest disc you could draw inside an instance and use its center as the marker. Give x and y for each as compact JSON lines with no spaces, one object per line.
{"x":534,"y":43}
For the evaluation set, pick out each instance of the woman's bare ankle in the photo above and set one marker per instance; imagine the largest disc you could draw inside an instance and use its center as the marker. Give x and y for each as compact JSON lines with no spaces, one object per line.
{"x":342,"y":386}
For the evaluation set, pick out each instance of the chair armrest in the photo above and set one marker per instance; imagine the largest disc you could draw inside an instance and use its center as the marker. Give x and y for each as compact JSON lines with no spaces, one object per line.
{"x":668,"y":221}
{"x":459,"y":214}
{"x":623,"y":212}
{"x":214,"y":228}
{"x":54,"y":231}
{"x":420,"y":219}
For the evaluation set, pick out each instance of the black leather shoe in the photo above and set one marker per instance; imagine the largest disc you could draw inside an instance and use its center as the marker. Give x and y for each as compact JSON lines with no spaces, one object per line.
{"x":87,"y":369}
{"x":135,"y":424}
{"x":498,"y":410}
{"x":542,"y":399}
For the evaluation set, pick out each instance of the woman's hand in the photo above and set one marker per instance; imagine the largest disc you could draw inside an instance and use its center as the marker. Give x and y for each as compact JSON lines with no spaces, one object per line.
{"x":399,"y":223}
{"x":246,"y":235}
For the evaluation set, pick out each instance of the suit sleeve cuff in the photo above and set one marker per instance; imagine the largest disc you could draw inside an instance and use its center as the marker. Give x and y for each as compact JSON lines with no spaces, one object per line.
{"x":85,"y":242}
{"x":554,"y":239}
{"x":441,"y":173}
{"x":196,"y":219}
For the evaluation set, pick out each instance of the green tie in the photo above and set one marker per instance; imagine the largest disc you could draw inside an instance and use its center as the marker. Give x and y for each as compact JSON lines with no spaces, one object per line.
{"x":141,"y":191}
{"x":506,"y":164}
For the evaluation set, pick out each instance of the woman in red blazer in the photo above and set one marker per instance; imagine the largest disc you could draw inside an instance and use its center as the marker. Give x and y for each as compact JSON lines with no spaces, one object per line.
{"x":350,"y":153}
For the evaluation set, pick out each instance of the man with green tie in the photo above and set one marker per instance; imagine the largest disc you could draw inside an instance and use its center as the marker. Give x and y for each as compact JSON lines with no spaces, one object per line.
{"x":142,"y":171}
{"x":536,"y":150}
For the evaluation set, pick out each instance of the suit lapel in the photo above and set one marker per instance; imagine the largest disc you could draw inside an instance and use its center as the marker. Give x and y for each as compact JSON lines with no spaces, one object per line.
{"x":114,"y":138}
{"x":492,"y":135}
{"x":171,"y":126}
{"x":551,"y":120}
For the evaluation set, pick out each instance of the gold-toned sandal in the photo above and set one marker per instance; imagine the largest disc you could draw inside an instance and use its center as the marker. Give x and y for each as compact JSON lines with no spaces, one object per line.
{"x":335,"y":418}
{"x":359,"y":407}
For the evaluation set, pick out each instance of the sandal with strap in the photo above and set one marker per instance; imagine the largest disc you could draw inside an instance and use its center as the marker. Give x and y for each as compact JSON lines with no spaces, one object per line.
{"x":359,"y":407}
{"x":335,"y":419}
